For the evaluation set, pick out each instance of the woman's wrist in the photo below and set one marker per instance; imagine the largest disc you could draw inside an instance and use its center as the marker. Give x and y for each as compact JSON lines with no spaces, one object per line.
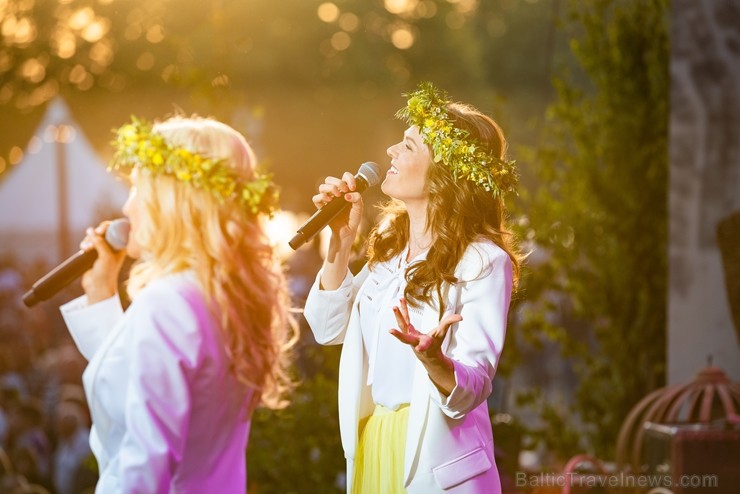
{"x":341,"y":242}
{"x":336,"y":263}
{"x":99,"y":294}
{"x":441,"y":371}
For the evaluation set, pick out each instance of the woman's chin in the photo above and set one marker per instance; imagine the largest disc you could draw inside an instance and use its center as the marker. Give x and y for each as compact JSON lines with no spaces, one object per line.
{"x":386,"y":188}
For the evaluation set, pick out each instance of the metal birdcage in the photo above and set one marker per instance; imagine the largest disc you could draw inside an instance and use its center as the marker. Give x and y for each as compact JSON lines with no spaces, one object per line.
{"x":710,"y":397}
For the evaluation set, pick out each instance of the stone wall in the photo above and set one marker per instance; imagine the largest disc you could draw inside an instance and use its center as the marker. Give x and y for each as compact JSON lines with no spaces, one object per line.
{"x":704,"y":183}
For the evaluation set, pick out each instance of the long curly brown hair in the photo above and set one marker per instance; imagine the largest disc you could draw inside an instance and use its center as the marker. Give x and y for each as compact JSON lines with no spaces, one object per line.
{"x":458,"y":213}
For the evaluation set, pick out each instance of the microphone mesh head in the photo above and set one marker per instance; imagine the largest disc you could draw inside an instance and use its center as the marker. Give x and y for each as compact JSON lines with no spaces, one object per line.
{"x":117,"y":233}
{"x":371,"y":172}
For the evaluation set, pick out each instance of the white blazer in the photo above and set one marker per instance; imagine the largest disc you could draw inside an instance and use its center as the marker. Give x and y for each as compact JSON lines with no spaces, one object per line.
{"x":168,"y":415}
{"x":449,"y":443}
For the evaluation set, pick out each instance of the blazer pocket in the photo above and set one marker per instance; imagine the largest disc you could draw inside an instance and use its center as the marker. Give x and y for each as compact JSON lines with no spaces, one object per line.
{"x":462,"y":468}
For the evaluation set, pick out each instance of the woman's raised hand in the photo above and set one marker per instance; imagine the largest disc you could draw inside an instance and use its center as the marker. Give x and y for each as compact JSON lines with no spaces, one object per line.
{"x":101,"y":281}
{"x":428,"y":346}
{"x":346,"y":224}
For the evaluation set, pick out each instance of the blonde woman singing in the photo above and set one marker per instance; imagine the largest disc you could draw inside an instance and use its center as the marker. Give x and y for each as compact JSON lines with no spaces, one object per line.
{"x":172,"y":381}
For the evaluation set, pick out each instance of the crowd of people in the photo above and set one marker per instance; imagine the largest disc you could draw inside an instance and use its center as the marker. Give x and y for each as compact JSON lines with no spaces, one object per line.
{"x":44,"y":419}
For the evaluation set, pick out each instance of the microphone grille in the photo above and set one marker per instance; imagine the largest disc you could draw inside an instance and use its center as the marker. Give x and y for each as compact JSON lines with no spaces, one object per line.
{"x":371,"y":171}
{"x":117,"y":233}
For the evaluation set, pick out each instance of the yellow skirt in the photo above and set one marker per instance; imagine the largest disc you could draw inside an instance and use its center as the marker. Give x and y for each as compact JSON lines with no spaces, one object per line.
{"x":380,"y":452}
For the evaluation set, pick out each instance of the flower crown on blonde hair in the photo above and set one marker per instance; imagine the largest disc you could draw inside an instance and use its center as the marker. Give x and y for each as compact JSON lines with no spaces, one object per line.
{"x":426,"y":108}
{"x":137,"y":145}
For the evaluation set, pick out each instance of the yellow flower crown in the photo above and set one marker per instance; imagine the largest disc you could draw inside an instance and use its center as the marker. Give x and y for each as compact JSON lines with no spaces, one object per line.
{"x":138,"y":146}
{"x":456,"y":148}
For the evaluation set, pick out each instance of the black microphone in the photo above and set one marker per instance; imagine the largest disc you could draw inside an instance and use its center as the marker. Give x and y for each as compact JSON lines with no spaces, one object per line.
{"x":367,"y":176}
{"x":116,"y":235}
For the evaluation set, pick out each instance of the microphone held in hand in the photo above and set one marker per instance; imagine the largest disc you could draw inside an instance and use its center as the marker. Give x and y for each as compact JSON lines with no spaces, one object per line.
{"x":116,"y":235}
{"x":367,"y":176}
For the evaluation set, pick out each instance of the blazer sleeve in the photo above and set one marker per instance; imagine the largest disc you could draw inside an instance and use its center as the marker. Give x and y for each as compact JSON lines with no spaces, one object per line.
{"x":166,"y":351}
{"x":482,"y":297}
{"x":89,"y":324}
{"x":327,"y":311}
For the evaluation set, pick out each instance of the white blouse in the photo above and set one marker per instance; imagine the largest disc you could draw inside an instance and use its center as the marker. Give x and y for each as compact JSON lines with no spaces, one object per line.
{"x":391,"y":362}
{"x":449,"y":444}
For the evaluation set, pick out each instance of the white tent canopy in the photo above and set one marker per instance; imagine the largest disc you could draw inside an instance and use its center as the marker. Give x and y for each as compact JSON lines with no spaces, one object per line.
{"x":58,"y":189}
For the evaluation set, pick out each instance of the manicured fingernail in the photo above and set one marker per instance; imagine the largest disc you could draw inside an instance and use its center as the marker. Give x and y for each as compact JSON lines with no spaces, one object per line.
{"x":348,"y":196}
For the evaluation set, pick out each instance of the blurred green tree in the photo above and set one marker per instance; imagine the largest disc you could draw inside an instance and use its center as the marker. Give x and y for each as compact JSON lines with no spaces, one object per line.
{"x":280,"y":63}
{"x":598,"y":218}
{"x":52,"y":45}
{"x":297,"y":450}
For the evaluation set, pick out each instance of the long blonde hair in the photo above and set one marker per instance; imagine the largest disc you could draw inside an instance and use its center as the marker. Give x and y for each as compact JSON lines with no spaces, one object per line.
{"x":459,"y":212}
{"x":188,"y":228}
